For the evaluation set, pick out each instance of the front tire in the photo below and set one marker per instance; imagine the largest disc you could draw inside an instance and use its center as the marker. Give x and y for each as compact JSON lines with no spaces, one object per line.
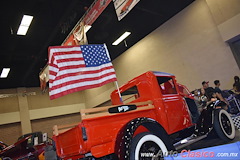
{"x":223,"y":125}
{"x":147,"y":146}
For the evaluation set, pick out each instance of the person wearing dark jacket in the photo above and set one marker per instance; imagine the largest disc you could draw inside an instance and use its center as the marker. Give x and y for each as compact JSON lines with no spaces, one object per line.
{"x":217,"y":86}
{"x":236,"y":87}
{"x":236,"y":84}
{"x":210,"y":90}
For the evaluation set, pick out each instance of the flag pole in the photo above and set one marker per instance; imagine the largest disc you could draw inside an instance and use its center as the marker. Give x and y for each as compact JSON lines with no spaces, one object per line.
{"x":120,"y":96}
{"x":115,"y":81}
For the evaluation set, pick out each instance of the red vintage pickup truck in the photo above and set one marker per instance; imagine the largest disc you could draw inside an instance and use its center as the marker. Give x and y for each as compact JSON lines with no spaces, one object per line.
{"x":154,"y":117}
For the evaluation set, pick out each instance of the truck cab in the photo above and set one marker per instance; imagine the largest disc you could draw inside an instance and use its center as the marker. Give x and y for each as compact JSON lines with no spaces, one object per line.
{"x":162,"y":89}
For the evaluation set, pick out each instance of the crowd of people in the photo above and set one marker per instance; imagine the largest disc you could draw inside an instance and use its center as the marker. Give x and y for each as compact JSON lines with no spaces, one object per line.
{"x":206,"y":94}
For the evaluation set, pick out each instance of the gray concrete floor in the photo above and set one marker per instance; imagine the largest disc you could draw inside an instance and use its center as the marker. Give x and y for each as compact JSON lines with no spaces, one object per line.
{"x":212,"y":140}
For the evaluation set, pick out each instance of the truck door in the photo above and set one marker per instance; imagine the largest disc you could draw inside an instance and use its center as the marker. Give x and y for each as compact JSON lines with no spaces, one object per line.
{"x":175,"y":107}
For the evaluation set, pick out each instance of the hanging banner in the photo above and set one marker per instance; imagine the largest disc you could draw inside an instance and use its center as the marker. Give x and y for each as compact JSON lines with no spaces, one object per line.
{"x":123,"y":7}
{"x":77,"y":37}
{"x":95,"y":11}
{"x":44,"y":78}
{"x":69,"y":41}
{"x":88,"y":19}
{"x":79,"y":34}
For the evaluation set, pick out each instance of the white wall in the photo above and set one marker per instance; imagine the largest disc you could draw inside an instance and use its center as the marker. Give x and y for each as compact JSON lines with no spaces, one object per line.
{"x":189,"y":45}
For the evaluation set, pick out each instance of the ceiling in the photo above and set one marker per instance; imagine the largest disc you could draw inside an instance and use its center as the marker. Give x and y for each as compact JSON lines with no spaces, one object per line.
{"x":52,"y":22}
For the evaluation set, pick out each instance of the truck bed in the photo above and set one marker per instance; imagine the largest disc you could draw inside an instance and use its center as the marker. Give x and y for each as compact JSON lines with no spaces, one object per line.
{"x":69,"y":138}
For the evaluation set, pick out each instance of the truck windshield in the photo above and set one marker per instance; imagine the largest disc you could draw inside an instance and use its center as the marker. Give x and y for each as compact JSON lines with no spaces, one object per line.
{"x":166,"y":85}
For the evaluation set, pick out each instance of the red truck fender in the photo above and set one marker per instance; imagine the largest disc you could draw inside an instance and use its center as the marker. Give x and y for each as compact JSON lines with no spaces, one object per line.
{"x":131,"y":129}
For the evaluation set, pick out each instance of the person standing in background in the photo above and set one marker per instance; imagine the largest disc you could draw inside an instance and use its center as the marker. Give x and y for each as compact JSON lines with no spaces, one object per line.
{"x":236,"y":87}
{"x":236,"y":84}
{"x":217,"y":86}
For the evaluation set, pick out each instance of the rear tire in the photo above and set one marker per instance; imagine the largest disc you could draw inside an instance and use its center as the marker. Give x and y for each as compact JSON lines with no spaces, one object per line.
{"x":223,"y":125}
{"x":147,"y":146}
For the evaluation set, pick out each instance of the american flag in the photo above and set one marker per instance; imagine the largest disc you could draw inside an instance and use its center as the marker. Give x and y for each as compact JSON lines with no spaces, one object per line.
{"x":76,"y":68}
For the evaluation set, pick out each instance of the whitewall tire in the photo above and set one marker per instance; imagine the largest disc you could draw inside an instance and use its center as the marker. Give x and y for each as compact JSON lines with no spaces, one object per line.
{"x":223,"y":125}
{"x":147,"y":146}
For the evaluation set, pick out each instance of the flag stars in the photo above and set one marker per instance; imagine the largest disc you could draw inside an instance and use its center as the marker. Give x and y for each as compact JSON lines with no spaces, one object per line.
{"x":94,"y":55}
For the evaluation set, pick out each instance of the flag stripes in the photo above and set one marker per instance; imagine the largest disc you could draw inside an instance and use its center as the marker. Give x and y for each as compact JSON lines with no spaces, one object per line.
{"x":75,"y":68}
{"x":81,"y":83}
{"x":62,"y":93}
{"x":74,"y":73}
{"x":81,"y":76}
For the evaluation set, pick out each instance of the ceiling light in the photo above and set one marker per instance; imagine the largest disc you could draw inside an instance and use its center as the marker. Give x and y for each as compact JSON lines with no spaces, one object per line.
{"x":22,"y":30}
{"x":5,"y":72}
{"x":25,"y":23}
{"x":121,"y":38}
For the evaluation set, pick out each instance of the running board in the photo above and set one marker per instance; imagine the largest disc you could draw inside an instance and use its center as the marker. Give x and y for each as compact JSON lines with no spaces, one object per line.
{"x":187,"y":141}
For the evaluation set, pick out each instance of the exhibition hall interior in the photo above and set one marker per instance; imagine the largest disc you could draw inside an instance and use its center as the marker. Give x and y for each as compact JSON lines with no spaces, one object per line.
{"x":120,"y":79}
